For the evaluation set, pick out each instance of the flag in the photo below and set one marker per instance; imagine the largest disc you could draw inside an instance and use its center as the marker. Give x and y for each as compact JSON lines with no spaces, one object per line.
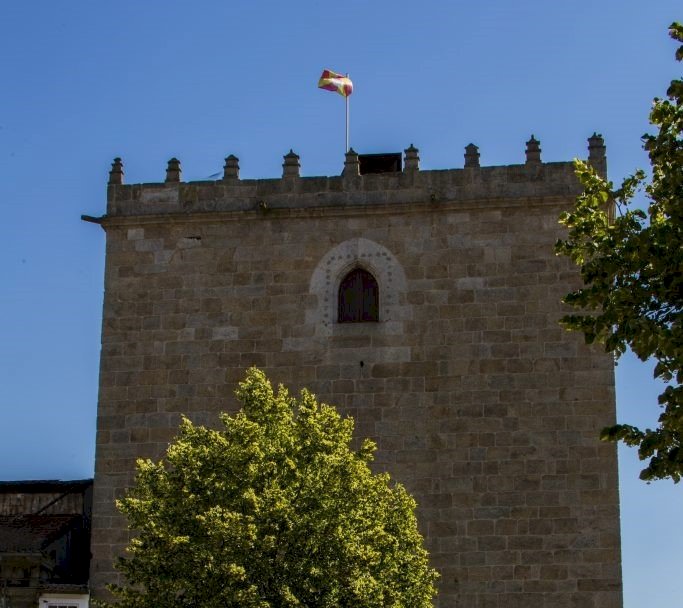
{"x":331,"y":81}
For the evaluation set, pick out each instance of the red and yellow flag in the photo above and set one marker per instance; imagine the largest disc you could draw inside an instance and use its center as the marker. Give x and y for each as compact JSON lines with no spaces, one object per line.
{"x":331,"y":81}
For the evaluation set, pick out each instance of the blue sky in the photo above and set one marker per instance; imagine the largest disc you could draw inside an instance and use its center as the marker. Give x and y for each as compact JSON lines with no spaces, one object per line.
{"x":85,"y":81}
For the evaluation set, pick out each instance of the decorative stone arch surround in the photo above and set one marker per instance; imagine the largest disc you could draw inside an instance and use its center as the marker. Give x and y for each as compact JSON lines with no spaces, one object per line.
{"x":335,"y":265}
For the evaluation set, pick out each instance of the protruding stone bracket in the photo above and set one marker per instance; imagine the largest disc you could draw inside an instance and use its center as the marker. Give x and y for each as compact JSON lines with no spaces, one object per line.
{"x":173,"y":171}
{"x":597,"y":157}
{"x":231,"y":169}
{"x":116,"y":173}
{"x":351,"y":164}
{"x":412,"y":159}
{"x":533,"y":151}
{"x":471,"y":156}
{"x":291,"y":167}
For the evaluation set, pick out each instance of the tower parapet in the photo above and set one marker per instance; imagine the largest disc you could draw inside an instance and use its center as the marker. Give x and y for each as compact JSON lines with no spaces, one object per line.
{"x":411,"y":185}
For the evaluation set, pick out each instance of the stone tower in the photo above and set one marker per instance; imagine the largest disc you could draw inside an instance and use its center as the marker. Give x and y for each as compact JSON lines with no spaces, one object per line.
{"x":423,"y":303}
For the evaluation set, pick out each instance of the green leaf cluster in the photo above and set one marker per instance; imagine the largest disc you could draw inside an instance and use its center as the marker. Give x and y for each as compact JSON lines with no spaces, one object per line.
{"x":632,"y":270}
{"x":273,"y":510}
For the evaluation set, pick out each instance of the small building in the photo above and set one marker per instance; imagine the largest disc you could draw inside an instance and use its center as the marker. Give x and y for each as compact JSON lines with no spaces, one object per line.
{"x":45,"y":543}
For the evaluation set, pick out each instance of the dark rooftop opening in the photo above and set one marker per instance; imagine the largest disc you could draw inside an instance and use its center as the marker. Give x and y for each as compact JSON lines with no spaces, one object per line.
{"x":380,"y":163}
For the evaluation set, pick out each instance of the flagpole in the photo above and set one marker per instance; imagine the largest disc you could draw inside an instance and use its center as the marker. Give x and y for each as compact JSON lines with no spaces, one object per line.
{"x":331,"y":81}
{"x":346,"y":97}
{"x":347,"y":125}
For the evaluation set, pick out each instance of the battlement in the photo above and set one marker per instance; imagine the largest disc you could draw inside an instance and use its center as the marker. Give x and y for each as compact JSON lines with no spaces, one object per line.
{"x":533,"y":179}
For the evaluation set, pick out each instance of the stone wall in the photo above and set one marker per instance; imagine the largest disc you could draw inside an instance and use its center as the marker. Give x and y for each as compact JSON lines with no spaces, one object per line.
{"x":480,"y":403}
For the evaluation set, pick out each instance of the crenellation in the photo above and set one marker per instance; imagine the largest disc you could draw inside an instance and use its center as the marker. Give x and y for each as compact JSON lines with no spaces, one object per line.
{"x":231,"y":169}
{"x":597,"y":154}
{"x":116,"y":173}
{"x":412,"y":159}
{"x":173,"y":171}
{"x":291,"y":167}
{"x":533,"y":180}
{"x":471,"y":156}
{"x":533,"y":152}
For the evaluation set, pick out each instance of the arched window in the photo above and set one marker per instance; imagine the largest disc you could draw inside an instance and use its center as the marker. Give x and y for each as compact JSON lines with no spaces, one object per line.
{"x":358,"y":297}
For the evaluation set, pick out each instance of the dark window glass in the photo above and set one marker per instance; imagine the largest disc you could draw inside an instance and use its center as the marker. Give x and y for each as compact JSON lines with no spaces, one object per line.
{"x":358,"y":297}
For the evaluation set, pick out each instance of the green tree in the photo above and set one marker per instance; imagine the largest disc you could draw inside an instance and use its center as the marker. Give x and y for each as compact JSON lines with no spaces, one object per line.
{"x":632,"y":270}
{"x":273,"y":510}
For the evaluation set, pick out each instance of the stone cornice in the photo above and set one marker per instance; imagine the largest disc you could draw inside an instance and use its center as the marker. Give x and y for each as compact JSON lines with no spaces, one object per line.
{"x":257,"y":212}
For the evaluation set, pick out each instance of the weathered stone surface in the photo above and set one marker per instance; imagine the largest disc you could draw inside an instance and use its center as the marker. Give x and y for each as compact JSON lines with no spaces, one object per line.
{"x":481,"y":405}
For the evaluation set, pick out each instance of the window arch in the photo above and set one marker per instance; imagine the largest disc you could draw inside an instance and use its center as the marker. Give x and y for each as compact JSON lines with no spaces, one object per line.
{"x":358,"y":297}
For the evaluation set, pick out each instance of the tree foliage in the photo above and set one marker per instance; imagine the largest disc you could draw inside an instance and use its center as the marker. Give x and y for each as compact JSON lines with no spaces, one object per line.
{"x":632,"y":270}
{"x":273,"y":510}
